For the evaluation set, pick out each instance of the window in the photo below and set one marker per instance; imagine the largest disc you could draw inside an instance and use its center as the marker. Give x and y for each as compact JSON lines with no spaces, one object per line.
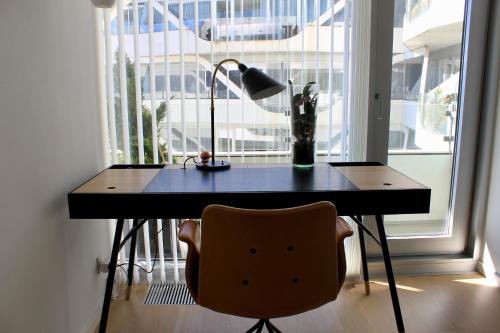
{"x":278,"y":37}
{"x":424,"y":91}
{"x":301,"y":41}
{"x":426,"y":122}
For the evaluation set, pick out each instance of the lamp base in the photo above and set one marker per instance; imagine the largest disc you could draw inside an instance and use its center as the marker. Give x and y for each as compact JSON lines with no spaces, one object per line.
{"x":216,"y":166}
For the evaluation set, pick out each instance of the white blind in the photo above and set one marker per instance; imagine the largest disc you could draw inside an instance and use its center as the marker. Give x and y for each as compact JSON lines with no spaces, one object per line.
{"x":357,"y":111}
{"x":162,"y":54}
{"x":158,"y":60}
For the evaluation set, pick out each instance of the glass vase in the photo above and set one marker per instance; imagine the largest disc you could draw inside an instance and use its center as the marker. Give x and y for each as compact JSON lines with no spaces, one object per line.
{"x":303,"y":106}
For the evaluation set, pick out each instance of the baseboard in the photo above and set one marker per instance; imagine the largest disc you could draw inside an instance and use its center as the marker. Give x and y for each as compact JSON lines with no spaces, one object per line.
{"x":425,"y":265}
{"x":94,"y":319}
{"x":119,"y":285}
{"x":482,"y":268}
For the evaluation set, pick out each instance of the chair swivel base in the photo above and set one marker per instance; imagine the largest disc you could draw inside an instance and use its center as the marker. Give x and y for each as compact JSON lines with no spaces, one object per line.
{"x":260,"y":325}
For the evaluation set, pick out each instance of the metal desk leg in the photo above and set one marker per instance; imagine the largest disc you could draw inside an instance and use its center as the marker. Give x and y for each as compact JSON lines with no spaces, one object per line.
{"x":131,"y":261}
{"x":366,"y":277}
{"x":390,"y":274}
{"x":111,"y":275}
{"x":131,"y":256}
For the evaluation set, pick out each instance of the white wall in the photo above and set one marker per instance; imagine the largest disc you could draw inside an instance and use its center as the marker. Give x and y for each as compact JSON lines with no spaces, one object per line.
{"x":491,"y":255}
{"x":49,"y":142}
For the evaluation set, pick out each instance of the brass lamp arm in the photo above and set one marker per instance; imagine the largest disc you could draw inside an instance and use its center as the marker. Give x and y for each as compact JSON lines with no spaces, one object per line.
{"x":212,"y":104}
{"x":212,"y":107}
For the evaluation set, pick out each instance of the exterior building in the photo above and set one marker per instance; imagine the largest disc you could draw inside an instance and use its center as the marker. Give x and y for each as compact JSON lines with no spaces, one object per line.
{"x":275,"y":37}
{"x":272,"y":36}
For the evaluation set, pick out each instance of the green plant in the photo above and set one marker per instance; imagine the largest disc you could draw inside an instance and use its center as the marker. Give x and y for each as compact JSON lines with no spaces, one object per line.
{"x":132,"y":118}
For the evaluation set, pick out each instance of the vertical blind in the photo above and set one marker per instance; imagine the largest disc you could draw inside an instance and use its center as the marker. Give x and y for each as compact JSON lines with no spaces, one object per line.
{"x":157,"y":60}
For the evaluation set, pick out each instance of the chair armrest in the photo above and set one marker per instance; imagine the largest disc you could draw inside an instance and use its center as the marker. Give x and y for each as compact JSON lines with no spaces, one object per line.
{"x":189,"y":233}
{"x":343,"y":230}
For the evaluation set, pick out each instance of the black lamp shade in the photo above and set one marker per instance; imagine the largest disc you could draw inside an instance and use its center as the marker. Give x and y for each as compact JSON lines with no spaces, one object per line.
{"x":257,"y":84}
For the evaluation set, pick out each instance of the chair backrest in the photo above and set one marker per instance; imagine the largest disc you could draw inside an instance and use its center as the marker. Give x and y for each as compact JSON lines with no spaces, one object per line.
{"x":268,"y":263}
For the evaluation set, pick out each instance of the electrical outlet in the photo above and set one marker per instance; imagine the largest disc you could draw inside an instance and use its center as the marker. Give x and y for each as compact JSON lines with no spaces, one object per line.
{"x":101,"y":266}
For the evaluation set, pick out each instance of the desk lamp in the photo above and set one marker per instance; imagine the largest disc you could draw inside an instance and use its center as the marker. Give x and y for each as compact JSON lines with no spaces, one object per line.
{"x":258,"y":86}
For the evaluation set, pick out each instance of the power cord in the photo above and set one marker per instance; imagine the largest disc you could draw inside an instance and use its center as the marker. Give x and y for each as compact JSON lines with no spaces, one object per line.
{"x":123,"y":269}
{"x":156,"y":254}
{"x":189,"y":158}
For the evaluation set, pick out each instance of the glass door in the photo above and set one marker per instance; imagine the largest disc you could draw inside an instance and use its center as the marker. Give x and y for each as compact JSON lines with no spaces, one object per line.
{"x":427,"y":109}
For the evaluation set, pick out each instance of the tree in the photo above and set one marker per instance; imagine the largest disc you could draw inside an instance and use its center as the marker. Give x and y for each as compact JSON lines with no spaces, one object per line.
{"x":132,"y":117}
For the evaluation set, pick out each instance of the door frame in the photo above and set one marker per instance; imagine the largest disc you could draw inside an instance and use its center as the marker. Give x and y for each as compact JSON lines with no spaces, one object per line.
{"x":467,"y":128}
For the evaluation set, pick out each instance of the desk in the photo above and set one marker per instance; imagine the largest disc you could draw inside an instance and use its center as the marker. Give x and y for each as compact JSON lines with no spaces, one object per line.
{"x":154,"y":191}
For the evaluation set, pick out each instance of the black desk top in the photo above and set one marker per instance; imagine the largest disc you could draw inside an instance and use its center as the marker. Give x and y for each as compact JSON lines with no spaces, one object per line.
{"x":171,"y":192}
{"x":236,"y":180}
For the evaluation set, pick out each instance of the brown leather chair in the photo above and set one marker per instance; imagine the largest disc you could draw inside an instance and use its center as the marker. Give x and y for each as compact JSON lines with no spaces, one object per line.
{"x":265,"y":263}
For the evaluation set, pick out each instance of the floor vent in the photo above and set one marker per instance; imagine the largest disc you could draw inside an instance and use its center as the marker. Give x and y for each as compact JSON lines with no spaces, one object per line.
{"x":168,"y":294}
